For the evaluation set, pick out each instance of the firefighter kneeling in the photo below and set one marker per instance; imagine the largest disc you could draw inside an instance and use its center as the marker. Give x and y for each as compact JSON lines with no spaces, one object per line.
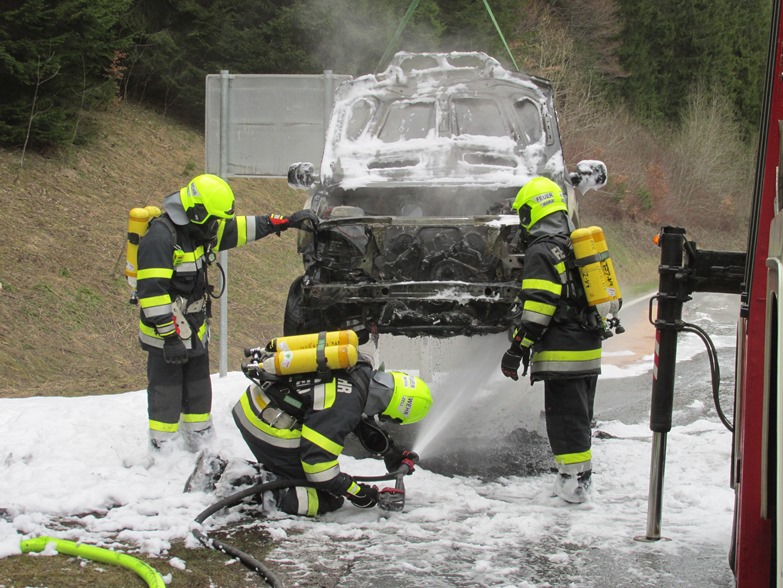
{"x":296,"y":425}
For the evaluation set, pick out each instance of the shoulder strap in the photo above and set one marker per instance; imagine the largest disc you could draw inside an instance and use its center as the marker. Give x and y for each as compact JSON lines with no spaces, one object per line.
{"x":164,"y":218}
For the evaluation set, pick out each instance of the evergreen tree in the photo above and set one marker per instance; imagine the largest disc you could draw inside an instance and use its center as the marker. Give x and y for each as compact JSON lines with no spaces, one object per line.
{"x":669,"y":47}
{"x":58,"y":61}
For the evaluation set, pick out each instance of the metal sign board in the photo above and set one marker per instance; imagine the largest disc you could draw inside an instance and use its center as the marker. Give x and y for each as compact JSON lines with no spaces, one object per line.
{"x":257,"y":125}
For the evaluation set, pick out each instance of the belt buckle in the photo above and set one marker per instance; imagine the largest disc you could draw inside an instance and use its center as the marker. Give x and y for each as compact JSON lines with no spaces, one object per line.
{"x":280,"y":419}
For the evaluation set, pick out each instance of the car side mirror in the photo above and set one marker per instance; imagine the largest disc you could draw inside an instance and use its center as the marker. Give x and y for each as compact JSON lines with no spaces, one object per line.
{"x":590,"y":175}
{"x":301,"y":175}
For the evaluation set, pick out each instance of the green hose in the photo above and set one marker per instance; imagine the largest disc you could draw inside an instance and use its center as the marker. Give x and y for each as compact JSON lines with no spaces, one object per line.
{"x":99,"y":554}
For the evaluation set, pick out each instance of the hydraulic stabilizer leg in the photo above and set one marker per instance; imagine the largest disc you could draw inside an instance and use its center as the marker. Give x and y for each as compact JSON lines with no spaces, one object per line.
{"x":672,"y":293}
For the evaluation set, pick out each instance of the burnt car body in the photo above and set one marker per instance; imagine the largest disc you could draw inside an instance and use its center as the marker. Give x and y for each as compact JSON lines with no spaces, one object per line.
{"x":421,"y":165}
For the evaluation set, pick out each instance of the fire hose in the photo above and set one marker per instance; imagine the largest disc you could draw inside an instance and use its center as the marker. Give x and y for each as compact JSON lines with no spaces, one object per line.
{"x":389,"y":499}
{"x":99,"y":554}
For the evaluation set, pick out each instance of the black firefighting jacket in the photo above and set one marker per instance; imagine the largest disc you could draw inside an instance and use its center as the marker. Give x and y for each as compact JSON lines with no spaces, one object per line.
{"x":174,"y":271}
{"x":552,"y":323}
{"x":332,"y":410}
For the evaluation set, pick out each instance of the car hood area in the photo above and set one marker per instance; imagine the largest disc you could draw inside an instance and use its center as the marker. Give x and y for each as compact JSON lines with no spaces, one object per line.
{"x":442,"y":119}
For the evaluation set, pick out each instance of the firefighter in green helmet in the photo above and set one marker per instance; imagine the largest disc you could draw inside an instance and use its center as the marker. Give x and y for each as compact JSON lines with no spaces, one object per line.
{"x":174,"y":300}
{"x":553,"y":338}
{"x":305,"y":444}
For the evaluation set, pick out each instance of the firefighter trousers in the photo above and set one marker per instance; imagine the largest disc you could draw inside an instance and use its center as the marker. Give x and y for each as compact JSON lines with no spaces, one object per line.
{"x":177,"y":392}
{"x":568,"y":407}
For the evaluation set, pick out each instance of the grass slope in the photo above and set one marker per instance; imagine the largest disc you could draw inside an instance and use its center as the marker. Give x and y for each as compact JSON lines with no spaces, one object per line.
{"x":67,"y":327}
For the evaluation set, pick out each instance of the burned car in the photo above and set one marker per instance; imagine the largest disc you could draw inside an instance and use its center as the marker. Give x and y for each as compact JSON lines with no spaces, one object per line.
{"x":420,"y":167}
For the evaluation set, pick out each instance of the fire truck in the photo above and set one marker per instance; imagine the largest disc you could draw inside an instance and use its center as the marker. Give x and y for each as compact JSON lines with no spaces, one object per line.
{"x":756,"y":550}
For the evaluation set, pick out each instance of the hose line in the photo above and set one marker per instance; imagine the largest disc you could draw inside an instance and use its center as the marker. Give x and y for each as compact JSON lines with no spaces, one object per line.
{"x":248,"y":560}
{"x":99,"y":554}
{"x":712,"y":354}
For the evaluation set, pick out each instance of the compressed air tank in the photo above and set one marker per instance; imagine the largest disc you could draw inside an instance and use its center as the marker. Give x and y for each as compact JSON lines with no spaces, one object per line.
{"x":138,"y":223}
{"x":303,"y":361}
{"x":311,"y":340}
{"x":591,"y":271}
{"x":612,"y":285}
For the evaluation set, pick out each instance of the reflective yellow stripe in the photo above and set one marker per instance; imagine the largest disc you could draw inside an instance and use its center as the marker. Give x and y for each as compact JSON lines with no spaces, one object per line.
{"x":155,"y":301}
{"x":540,"y":307}
{"x":353,"y":489}
{"x":154,"y":272}
{"x":588,"y":355}
{"x":261,"y":425}
{"x":312,"y":500}
{"x":560,"y":267}
{"x":241,"y":230}
{"x":568,"y":458}
{"x":545,"y":285}
{"x":317,"y":468}
{"x":325,"y":443}
{"x":164,"y":427}
{"x":195,"y":418}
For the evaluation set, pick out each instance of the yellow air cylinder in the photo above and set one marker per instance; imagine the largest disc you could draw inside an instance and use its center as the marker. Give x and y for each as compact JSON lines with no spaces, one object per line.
{"x":303,"y":361}
{"x":308,"y":341}
{"x":613,"y":286}
{"x":138,"y":223}
{"x":591,"y":271}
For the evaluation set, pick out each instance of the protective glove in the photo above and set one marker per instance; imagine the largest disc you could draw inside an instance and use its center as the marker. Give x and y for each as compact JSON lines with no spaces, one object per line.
{"x":511,"y":360}
{"x":174,"y":350}
{"x":279,"y":222}
{"x":297,"y":219}
{"x":396,"y":457}
{"x":367,"y":497}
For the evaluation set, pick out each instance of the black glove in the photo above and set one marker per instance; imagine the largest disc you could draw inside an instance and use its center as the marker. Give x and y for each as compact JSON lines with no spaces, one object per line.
{"x":511,"y":360}
{"x":396,"y":457}
{"x":174,"y":350}
{"x":279,"y":222}
{"x":367,"y":497}
{"x":297,"y":219}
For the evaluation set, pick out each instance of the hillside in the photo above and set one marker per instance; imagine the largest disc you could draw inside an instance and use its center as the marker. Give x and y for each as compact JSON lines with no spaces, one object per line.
{"x":67,"y":328}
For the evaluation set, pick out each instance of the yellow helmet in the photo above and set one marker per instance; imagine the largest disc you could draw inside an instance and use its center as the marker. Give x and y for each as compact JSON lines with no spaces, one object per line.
{"x":411,"y":399}
{"x":538,"y":198}
{"x":207,"y":196}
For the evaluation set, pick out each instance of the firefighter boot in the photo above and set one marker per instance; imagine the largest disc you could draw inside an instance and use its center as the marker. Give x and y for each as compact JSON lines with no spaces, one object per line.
{"x":572,"y":483}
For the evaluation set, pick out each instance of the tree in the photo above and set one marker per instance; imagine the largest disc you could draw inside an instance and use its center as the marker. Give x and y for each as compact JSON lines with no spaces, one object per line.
{"x":54,"y":57}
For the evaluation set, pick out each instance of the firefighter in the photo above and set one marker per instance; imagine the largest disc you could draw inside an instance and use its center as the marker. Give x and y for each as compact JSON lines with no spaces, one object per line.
{"x":554,"y":336}
{"x":174,"y":300}
{"x":306,"y":444}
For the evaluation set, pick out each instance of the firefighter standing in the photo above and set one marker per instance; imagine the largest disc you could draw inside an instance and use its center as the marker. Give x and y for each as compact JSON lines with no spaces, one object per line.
{"x":306,"y":444}
{"x":174,"y":300}
{"x":554,"y":337}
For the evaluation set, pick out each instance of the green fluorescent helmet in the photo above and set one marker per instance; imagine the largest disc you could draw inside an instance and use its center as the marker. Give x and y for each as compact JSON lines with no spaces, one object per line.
{"x":538,"y":198}
{"x":411,"y":400}
{"x":207,"y":196}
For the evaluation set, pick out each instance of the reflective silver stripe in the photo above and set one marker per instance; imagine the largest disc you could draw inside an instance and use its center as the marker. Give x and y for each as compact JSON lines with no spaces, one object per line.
{"x":567,"y":366}
{"x":302,"y":500}
{"x":188,"y":267}
{"x":163,"y":331}
{"x":325,"y":475}
{"x":536,"y":317}
{"x":319,"y":396}
{"x":157,"y":342}
{"x":575,"y":468}
{"x":159,"y":310}
{"x":250,"y":229}
{"x":262,"y":436}
{"x":196,"y":427}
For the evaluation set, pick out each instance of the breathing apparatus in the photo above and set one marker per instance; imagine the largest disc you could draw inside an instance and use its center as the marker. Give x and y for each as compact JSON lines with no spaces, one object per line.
{"x":138,"y":223}
{"x":598,"y":277}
